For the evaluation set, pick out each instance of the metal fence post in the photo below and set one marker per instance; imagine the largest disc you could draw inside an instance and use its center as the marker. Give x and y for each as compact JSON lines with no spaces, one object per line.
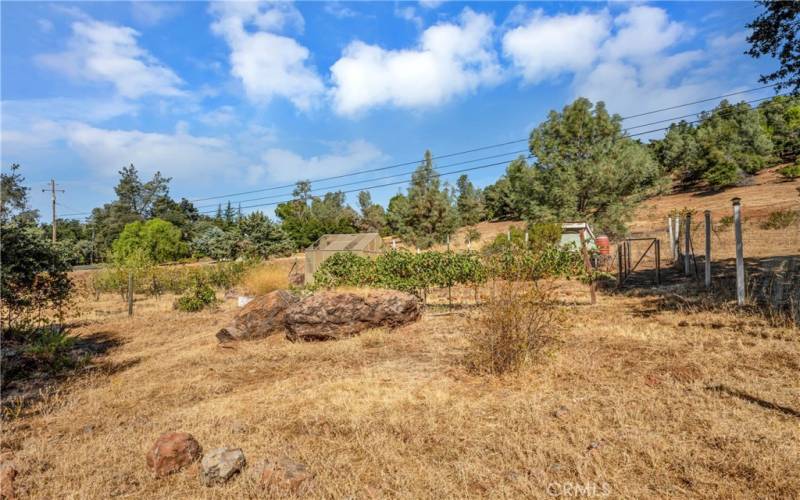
{"x":737,"y":227}
{"x":687,"y":245}
{"x":676,"y":247}
{"x":619,"y":265}
{"x":707,"y":263}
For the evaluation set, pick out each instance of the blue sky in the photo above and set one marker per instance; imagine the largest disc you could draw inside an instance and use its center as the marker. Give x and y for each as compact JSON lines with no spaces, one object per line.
{"x":234,"y":97}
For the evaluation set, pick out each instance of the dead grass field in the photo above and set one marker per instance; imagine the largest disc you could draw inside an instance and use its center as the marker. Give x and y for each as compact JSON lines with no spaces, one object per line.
{"x":643,"y":396}
{"x":647,"y":400}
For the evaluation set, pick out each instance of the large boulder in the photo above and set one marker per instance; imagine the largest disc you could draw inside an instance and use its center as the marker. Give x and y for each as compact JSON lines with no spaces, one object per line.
{"x":171,"y":452}
{"x":261,"y":317}
{"x":336,"y":315}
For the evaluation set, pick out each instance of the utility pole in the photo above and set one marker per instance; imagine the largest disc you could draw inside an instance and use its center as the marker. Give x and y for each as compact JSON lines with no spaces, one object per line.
{"x":53,"y":201}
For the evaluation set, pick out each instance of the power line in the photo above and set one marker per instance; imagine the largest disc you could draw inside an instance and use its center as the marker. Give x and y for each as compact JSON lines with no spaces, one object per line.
{"x":433,"y":175}
{"x":698,"y":113}
{"x":327,"y":188}
{"x":468,"y":151}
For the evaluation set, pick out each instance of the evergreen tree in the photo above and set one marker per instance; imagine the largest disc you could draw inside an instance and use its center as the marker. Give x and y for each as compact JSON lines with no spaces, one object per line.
{"x":469,"y":202}
{"x":776,"y":33}
{"x":586,"y":168}
{"x":396,"y":213}
{"x":430,"y":216}
{"x":373,"y":218}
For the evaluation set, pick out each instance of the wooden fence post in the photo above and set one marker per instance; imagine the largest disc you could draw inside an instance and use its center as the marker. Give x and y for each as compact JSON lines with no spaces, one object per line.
{"x":676,"y":247}
{"x":671,"y":236}
{"x":658,"y":262}
{"x":737,"y":227}
{"x":707,"y":263}
{"x":687,"y":245}
{"x":587,"y":265}
{"x":130,"y":293}
{"x":619,"y":265}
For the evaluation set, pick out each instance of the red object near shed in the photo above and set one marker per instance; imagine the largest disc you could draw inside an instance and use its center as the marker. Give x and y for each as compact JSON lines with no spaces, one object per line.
{"x":603,"y":245}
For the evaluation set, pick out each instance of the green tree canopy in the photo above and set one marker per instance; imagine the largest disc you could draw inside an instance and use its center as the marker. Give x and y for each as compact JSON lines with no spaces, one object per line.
{"x":776,"y":33}
{"x":585,"y":168}
{"x":430,"y":215}
{"x":469,"y":202}
{"x":308,"y":217}
{"x":156,"y":239}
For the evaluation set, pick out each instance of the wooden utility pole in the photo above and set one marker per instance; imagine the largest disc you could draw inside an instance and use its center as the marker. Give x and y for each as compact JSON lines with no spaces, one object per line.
{"x":588,"y":266}
{"x":737,"y":228}
{"x":708,"y":249}
{"x":53,"y":191}
{"x":687,"y":246}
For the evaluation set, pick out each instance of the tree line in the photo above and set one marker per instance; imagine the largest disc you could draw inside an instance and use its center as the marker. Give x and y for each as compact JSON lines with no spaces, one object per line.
{"x":582,"y":166}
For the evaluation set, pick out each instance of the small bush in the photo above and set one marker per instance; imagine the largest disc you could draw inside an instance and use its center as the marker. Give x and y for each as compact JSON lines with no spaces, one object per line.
{"x":781,"y":219}
{"x":197,"y":297}
{"x":513,"y":328}
{"x":790,"y":172}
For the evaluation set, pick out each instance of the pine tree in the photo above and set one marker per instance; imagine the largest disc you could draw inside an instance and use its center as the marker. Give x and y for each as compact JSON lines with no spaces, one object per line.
{"x":430,"y":217}
{"x":469,"y":202}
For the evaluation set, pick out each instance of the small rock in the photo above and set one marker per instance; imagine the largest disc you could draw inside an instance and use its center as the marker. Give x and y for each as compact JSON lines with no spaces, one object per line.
{"x":283,"y":473}
{"x":560,"y":411}
{"x":88,"y":429}
{"x":8,"y":472}
{"x":171,"y":452}
{"x":221,"y":464}
{"x":593,"y":446}
{"x":238,"y":427}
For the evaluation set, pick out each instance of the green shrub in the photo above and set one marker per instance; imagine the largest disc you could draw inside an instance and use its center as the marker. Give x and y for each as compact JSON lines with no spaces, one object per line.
{"x":155,"y":280}
{"x":790,"y":172}
{"x":199,"y":296}
{"x":781,"y":219}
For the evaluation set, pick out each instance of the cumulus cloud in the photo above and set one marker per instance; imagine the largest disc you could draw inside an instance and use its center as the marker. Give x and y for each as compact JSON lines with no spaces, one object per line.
{"x":108,"y":53}
{"x":627,"y":60}
{"x":268,"y":65}
{"x":546,"y":47}
{"x":185,"y":157}
{"x":450,"y":60}
{"x":284,"y":166}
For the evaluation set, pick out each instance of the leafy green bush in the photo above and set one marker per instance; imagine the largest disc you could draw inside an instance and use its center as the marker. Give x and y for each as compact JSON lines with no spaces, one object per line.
{"x":34,"y":277}
{"x":401,"y":270}
{"x":781,"y":219}
{"x":790,"y":172}
{"x":199,"y":296}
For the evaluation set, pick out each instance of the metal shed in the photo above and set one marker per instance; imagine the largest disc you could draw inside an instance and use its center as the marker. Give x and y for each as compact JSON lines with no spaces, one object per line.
{"x":366,"y":244}
{"x":570,"y":234}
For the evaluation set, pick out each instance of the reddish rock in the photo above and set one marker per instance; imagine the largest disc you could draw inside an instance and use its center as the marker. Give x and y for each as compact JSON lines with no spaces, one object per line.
{"x":171,"y":452}
{"x":283,"y":474}
{"x":261,"y":317}
{"x":336,"y":315}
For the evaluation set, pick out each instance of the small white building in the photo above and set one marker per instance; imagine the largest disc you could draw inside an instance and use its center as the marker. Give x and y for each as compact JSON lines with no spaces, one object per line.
{"x":570,"y":233}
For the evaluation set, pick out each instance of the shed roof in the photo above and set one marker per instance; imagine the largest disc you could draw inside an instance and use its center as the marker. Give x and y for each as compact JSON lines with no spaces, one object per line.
{"x":346,"y":242}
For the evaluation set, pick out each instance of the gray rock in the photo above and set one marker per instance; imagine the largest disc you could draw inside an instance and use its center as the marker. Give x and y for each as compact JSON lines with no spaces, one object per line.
{"x":221,"y":464}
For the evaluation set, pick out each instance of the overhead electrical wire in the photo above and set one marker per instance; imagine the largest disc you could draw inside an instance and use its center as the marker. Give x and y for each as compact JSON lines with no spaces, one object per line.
{"x":473,"y":150}
{"x":458,"y":153}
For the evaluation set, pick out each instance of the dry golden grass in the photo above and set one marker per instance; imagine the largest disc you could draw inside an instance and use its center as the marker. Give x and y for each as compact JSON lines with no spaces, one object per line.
{"x":648,"y":400}
{"x":267,"y":277}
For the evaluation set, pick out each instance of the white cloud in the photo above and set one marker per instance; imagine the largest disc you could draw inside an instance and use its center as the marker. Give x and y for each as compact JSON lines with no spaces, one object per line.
{"x":546,"y":47}
{"x":185,"y":157}
{"x":45,"y":25}
{"x":409,"y":14}
{"x":450,"y":60}
{"x":642,"y":32}
{"x":268,"y":65}
{"x":282,"y":165}
{"x":221,"y":116}
{"x":150,"y":13}
{"x":109,"y":53}
{"x":339,"y":11}
{"x":431,"y":4}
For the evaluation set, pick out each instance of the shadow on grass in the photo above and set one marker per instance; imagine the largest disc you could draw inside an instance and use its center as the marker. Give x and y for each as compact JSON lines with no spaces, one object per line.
{"x":752,"y":399}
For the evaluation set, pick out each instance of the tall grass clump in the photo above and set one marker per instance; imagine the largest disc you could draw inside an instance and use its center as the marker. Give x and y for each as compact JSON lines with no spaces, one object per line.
{"x":513,"y":328}
{"x":265,"y":278}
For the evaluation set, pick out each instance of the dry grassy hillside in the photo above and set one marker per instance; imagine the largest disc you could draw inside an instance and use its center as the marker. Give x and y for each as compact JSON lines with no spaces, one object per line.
{"x":649,"y":394}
